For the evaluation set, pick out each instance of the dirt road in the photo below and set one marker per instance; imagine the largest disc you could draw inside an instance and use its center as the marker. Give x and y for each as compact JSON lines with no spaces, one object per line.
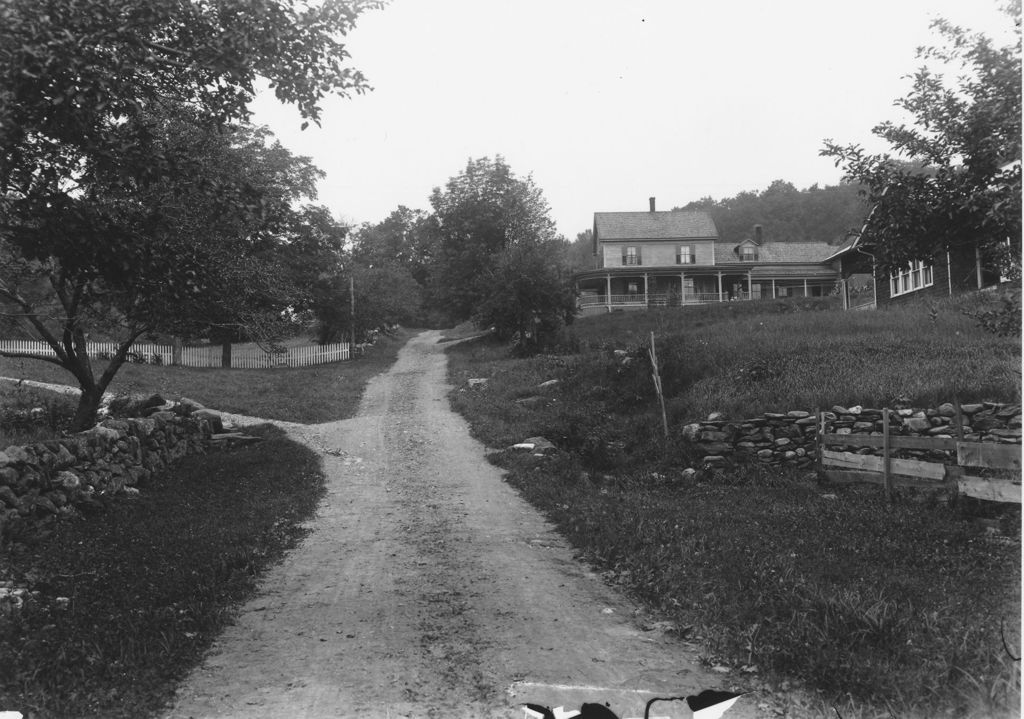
{"x":428,"y":588}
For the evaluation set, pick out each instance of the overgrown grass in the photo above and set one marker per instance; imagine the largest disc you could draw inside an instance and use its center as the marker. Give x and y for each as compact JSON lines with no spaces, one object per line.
{"x":129,"y":599}
{"x":306,"y":395}
{"x":756,"y":356}
{"x":867,"y":603}
{"x":29,"y":415}
{"x":873,"y":607}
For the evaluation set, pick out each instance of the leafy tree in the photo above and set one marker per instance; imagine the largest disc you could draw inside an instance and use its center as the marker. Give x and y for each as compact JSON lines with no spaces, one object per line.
{"x":529,"y":295}
{"x":579,"y":255}
{"x":821,"y":214}
{"x":480,"y":213}
{"x":965,"y":136}
{"x":121,"y":201}
{"x":405,"y":238}
{"x":171,"y":256}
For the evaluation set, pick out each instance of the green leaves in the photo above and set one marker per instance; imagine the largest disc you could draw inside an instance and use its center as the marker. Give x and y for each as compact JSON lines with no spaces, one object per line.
{"x":954,"y":179}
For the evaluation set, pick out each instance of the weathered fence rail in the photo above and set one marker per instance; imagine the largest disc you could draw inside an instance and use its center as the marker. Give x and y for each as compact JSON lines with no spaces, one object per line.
{"x":844,"y":467}
{"x":241,"y":357}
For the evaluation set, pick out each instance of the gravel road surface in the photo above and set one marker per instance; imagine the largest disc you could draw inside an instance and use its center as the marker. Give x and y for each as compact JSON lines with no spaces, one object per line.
{"x":428,"y":588}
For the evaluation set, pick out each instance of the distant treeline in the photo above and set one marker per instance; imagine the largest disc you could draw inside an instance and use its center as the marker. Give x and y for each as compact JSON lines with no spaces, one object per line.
{"x":821,"y":214}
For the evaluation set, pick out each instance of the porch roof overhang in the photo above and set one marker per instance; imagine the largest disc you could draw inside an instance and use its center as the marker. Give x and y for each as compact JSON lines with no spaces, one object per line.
{"x":756,"y":271}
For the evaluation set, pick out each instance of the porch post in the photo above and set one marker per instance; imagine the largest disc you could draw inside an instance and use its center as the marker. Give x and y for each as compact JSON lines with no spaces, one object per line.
{"x":977,"y":265}
{"x":682,"y":289}
{"x":805,"y":287}
{"x":647,"y":291}
{"x":773,"y":289}
{"x":750,"y":284}
{"x":608,"y":291}
{"x":720,"y":287}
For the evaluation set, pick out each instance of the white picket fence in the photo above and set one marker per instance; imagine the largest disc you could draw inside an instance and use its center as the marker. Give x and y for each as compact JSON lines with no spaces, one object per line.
{"x":242,"y":356}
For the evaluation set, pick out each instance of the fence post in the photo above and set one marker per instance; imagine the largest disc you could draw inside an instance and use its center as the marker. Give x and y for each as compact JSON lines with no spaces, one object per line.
{"x":656,"y":376}
{"x":819,"y":443}
{"x":176,"y":351}
{"x":886,"y":473}
{"x":959,"y":418}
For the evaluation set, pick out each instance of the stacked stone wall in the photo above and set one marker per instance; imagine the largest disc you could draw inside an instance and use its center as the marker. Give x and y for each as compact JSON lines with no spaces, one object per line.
{"x":54,"y":477}
{"x":789,"y":438}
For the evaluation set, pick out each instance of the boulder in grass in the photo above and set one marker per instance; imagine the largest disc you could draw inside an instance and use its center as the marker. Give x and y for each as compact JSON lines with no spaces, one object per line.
{"x":214,"y":419}
{"x":541,"y":445}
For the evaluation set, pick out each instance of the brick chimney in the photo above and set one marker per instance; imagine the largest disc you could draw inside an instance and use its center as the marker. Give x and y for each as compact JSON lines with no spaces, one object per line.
{"x":652,"y":204}
{"x":757,"y":234}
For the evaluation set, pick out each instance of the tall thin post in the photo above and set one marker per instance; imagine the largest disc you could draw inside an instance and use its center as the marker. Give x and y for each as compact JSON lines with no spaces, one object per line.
{"x":886,"y":463}
{"x":352,"y":314}
{"x":959,"y":418}
{"x":656,"y":376}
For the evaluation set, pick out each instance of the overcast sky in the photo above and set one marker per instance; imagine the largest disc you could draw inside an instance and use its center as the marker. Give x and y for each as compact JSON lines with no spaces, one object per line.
{"x":608,"y":103}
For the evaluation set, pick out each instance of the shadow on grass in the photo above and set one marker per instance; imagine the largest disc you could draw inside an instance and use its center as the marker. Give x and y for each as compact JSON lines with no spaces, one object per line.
{"x":130,"y":597}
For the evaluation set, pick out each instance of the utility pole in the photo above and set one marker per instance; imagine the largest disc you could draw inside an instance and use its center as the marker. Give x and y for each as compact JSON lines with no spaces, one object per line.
{"x":352,"y":316}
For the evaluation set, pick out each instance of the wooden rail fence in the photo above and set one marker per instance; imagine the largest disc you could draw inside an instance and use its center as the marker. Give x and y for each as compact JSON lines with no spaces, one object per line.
{"x":846,"y":467}
{"x":242,"y":357}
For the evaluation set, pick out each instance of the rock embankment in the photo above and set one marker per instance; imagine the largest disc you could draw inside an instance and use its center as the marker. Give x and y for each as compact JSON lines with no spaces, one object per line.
{"x":57,"y":477}
{"x":789,"y":438}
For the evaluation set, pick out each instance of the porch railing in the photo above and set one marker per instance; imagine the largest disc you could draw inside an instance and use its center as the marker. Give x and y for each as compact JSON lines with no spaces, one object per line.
{"x":660,"y":299}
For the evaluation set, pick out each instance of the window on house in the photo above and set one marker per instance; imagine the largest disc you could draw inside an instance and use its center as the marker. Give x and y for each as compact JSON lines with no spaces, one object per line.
{"x":913,"y":277}
{"x":633,"y":288}
{"x":685,"y":256}
{"x":631,"y":255}
{"x":748,"y":254}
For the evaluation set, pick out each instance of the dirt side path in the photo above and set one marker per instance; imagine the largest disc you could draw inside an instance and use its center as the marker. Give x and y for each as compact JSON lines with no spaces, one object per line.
{"x":428,"y":588}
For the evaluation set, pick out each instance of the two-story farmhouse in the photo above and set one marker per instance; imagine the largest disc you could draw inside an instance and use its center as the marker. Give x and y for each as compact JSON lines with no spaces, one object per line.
{"x":676,"y":257}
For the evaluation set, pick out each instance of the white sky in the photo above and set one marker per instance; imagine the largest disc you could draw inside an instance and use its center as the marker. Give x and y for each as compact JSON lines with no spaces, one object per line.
{"x":608,"y":103}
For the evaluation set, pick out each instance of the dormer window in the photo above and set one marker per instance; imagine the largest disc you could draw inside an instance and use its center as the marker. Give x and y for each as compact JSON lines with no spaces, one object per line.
{"x":685,"y":255}
{"x":748,"y":253}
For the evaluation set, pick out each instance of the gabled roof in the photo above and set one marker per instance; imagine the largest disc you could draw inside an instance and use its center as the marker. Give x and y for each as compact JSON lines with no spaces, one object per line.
{"x":777,"y":251}
{"x":674,"y":224}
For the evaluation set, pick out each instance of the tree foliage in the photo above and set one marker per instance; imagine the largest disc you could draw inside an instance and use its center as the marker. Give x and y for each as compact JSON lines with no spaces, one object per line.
{"x":530,"y":293}
{"x":965,"y":136}
{"x":480,"y":213}
{"x":816,"y":214}
{"x":405,"y":238}
{"x":131,"y":199}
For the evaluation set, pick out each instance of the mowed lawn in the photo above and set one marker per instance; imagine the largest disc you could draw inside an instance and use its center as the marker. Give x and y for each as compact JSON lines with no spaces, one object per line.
{"x":303,"y":394}
{"x":872,"y":609}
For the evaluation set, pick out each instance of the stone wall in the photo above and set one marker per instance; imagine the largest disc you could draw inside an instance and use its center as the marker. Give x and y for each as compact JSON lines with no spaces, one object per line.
{"x":788,"y":438}
{"x":55,"y":477}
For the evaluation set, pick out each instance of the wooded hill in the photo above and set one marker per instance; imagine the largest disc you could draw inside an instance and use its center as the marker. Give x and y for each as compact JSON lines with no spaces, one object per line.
{"x":817,"y":214}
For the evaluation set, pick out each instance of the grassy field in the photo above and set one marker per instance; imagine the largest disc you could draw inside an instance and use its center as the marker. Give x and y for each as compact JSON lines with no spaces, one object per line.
{"x":29,"y":415}
{"x":302,"y":394}
{"x":875,"y":609}
{"x":132,"y":595}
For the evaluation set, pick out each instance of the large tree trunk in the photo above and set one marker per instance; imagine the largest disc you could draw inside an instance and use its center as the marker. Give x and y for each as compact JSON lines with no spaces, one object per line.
{"x":88,"y":406}
{"x":225,"y":354}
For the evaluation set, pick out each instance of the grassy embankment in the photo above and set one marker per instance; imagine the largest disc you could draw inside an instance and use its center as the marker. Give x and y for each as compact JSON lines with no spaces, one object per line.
{"x":874,"y":608}
{"x":130,"y":598}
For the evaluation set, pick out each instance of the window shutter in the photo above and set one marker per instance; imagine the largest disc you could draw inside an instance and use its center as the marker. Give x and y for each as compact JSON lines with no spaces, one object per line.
{"x":624,"y":256}
{"x":639,"y":256}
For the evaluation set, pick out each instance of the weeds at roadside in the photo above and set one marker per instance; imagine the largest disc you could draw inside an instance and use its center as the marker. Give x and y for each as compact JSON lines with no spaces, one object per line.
{"x":130,"y":599}
{"x":875,"y":608}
